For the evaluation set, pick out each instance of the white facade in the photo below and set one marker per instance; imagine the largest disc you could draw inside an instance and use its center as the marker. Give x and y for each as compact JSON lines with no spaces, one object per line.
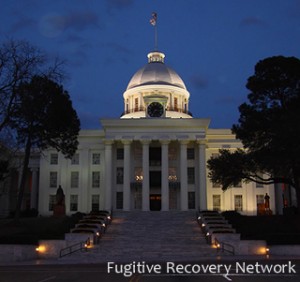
{"x":152,"y":158}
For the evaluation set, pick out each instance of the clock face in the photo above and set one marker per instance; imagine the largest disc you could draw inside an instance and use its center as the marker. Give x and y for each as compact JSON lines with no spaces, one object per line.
{"x":155,"y":109}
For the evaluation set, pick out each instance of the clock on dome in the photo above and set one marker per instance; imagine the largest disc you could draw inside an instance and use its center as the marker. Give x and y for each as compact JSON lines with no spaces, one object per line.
{"x":155,"y":109}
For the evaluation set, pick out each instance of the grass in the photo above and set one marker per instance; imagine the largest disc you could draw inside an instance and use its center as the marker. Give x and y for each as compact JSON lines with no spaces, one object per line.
{"x":276,"y":229}
{"x":31,"y":230}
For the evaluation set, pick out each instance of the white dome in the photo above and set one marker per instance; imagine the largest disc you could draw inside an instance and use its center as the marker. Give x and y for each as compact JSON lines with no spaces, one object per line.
{"x":156,"y":72}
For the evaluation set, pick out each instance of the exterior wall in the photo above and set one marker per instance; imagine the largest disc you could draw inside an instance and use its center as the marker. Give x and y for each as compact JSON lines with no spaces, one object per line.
{"x":223,"y":139}
{"x":90,"y":143}
{"x":174,"y":134}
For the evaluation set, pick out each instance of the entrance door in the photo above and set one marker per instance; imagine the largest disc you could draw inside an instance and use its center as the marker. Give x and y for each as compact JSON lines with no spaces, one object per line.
{"x":155,"y":202}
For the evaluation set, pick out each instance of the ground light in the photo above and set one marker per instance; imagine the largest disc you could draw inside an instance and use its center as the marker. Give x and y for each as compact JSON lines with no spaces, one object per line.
{"x":41,"y":249}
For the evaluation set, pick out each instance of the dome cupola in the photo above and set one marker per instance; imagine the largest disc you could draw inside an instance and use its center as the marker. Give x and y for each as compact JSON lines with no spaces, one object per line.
{"x":155,"y":83}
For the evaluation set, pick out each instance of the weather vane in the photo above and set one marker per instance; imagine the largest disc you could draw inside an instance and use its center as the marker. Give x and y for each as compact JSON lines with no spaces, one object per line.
{"x":153,"y":21}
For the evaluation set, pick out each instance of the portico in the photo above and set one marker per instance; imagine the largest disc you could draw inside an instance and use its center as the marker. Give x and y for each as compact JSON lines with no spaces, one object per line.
{"x":156,"y":171}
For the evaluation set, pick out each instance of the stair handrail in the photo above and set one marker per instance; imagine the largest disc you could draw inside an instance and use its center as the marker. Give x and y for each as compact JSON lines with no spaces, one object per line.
{"x":83,"y":245}
{"x":224,"y":247}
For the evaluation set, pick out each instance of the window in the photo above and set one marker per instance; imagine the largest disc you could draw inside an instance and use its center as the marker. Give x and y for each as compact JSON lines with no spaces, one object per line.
{"x":216,"y":202}
{"x":96,"y":159}
{"x":191,"y":175}
{"x":175,"y":103}
{"x":96,"y":179}
{"x":73,"y":202}
{"x":172,"y":153}
{"x":136,"y":104}
{"x":119,"y":200}
{"x":75,"y":159}
{"x":238,"y":202}
{"x":54,"y":159}
{"x":53,"y":179}
{"x":120,"y":173}
{"x":155,"y":156}
{"x":120,"y":154}
{"x":191,"y":200}
{"x":52,"y":201}
{"x":74,"y":179}
{"x":190,"y":153}
{"x":95,"y":202}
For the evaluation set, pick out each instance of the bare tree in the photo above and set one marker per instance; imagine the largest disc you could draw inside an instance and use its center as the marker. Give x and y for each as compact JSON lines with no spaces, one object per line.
{"x":19,"y":62}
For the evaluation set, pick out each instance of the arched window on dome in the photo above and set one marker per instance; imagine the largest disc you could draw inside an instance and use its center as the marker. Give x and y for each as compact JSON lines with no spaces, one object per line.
{"x":175,"y":104}
{"x":127,"y":106}
{"x":136,"y":104}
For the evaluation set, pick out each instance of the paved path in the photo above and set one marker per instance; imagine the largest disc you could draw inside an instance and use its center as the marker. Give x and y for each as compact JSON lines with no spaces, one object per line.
{"x":149,"y":236}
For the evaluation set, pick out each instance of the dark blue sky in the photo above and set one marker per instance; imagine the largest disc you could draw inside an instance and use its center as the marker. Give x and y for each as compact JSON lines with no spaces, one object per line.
{"x":213,"y":45}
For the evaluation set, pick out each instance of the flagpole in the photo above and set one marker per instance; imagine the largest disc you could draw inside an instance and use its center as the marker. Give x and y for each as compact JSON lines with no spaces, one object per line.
{"x":153,"y":22}
{"x":155,"y":38}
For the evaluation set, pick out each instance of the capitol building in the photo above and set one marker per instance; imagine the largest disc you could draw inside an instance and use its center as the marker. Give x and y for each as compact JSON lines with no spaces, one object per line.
{"x":152,"y":158}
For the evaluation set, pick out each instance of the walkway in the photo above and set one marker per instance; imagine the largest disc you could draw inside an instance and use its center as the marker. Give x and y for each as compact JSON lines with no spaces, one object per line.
{"x":149,"y":236}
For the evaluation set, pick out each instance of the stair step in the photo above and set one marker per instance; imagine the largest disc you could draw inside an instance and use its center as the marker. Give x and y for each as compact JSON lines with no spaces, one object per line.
{"x":150,"y":236}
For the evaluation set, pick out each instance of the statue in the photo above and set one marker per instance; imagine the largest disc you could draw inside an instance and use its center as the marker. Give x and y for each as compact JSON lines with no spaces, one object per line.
{"x":267,"y":202}
{"x":60,"y":196}
{"x":59,"y":208}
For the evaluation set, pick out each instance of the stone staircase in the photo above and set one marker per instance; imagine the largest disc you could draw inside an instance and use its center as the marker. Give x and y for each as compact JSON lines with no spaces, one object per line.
{"x":150,"y":236}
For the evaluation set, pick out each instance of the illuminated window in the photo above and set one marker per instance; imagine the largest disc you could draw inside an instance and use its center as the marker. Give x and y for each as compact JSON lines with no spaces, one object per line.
{"x":53,"y":179}
{"x":96,"y":179}
{"x":75,"y":159}
{"x":96,"y":159}
{"x":95,"y":202}
{"x":74,"y":179}
{"x":216,"y":202}
{"x":54,"y":159}
{"x":238,"y":202}
{"x":73,"y":202}
{"x":52,"y":201}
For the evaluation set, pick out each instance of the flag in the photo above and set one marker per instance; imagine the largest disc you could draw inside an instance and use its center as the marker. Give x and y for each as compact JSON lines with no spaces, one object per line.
{"x":153,"y":19}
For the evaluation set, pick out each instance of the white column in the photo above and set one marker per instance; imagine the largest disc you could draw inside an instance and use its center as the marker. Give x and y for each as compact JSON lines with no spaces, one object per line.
{"x":183,"y":176}
{"x":165,"y":175}
{"x":108,"y":175}
{"x":126,"y":184}
{"x":34,"y":188}
{"x":145,"y":191}
{"x":202,"y":174}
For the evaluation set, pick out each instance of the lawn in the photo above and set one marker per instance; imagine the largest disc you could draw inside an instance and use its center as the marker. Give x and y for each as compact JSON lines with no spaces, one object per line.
{"x":30,"y":230}
{"x":276,"y":229}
